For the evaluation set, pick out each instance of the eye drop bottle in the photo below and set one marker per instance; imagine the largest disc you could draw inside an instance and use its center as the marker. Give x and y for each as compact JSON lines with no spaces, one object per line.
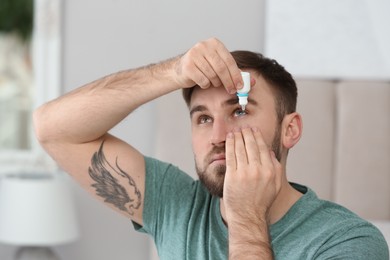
{"x":242,"y":94}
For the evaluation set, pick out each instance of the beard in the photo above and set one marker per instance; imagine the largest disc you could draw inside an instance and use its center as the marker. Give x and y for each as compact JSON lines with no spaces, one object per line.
{"x":213,"y":177}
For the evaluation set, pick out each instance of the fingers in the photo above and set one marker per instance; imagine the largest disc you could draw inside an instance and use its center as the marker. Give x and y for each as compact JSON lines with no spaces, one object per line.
{"x":278,"y":170}
{"x":237,"y":145}
{"x":230,"y":154}
{"x":240,"y":150}
{"x":210,"y":76}
{"x":233,"y":72}
{"x":263,"y":149}
{"x":209,"y":63}
{"x":250,"y":148}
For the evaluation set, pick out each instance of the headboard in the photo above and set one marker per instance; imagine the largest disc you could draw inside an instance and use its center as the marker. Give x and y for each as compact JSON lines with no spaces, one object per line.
{"x":344,"y":153}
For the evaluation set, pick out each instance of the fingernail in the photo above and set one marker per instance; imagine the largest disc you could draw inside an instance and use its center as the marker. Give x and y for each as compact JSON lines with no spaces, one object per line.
{"x":255,"y":129}
{"x":232,"y":91}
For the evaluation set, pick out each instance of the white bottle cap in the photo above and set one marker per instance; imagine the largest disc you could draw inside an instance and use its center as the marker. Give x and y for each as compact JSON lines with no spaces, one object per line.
{"x":242,"y":94}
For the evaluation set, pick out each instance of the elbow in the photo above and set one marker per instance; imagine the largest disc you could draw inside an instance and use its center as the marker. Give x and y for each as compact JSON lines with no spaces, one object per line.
{"x":40,"y":126}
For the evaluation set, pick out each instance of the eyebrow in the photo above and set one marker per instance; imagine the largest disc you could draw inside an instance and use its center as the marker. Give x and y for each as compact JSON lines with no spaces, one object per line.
{"x":229,"y":102}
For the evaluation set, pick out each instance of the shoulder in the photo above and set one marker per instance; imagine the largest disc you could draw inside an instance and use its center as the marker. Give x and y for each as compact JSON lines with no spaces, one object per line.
{"x":166,"y":181}
{"x":345,"y":234}
{"x":159,"y":171}
{"x":354,"y":239}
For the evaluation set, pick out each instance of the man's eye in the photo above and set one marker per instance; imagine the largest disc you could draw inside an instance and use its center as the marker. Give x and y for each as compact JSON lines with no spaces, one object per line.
{"x":240,"y":112}
{"x":204,"y":119}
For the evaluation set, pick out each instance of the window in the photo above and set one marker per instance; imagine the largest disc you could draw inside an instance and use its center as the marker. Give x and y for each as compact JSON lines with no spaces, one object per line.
{"x":19,"y":150}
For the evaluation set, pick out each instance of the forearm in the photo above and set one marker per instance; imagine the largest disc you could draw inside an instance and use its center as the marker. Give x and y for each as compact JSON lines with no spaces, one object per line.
{"x":249,"y":240}
{"x":89,"y":112}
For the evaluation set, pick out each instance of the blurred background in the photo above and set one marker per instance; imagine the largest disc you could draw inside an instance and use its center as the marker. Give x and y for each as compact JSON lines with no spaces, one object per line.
{"x":336,"y":49}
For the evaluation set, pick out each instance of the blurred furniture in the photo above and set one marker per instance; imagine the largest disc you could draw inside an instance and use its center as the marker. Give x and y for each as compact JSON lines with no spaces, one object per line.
{"x":344,"y":152}
{"x":36,"y":212}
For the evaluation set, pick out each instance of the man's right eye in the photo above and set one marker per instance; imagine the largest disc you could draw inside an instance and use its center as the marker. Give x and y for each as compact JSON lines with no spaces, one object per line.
{"x":203,"y":119}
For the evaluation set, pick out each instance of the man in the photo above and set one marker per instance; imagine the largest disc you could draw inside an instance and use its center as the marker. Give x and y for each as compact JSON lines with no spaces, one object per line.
{"x":243,"y":207}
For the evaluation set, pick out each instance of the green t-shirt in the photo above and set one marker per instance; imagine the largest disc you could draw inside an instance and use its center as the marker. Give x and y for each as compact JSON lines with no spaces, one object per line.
{"x":185,"y":223}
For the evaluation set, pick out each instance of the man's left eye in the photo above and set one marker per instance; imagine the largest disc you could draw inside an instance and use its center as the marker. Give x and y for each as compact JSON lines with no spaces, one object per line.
{"x":239,"y":112}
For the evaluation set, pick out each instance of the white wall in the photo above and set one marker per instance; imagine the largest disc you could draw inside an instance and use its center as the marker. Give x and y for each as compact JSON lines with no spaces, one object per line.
{"x":101,"y":37}
{"x":334,"y":39}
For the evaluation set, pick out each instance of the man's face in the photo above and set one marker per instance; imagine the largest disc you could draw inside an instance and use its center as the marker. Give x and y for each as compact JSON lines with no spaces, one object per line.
{"x":214,"y":113}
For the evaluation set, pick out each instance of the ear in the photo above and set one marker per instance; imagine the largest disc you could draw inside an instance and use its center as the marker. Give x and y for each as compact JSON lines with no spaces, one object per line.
{"x":292,"y":129}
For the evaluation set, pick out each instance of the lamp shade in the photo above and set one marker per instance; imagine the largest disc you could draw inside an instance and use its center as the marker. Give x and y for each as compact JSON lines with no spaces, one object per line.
{"x":36,"y":210}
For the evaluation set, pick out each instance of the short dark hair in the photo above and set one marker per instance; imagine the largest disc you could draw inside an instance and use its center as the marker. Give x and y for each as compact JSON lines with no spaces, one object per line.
{"x":282,"y":83}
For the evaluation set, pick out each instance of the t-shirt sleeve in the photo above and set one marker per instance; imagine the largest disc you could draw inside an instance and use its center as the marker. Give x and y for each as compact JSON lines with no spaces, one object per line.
{"x":166,"y":189}
{"x":361,"y":242}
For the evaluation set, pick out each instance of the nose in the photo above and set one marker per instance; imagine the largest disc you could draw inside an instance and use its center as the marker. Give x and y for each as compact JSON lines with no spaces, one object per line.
{"x":219,"y":132}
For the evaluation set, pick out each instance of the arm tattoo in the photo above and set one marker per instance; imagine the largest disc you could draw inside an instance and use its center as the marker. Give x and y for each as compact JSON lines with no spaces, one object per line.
{"x":109,"y":187}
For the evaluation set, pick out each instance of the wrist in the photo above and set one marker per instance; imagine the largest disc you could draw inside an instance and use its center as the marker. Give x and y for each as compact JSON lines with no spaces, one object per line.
{"x":250,"y":218}
{"x":163,"y":73}
{"x":171,"y":71}
{"x":247,"y":226}
{"x":249,"y":240}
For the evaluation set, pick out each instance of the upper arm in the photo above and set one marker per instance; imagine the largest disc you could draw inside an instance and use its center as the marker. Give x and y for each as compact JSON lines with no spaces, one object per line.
{"x":109,"y":169}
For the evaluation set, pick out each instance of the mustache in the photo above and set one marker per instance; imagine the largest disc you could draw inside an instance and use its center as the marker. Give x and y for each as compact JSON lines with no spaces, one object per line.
{"x":215,"y":150}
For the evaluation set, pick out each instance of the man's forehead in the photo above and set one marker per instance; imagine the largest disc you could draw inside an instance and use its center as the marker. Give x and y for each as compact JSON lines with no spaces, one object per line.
{"x":199,"y":94}
{"x":212,"y":95}
{"x":200,"y":104}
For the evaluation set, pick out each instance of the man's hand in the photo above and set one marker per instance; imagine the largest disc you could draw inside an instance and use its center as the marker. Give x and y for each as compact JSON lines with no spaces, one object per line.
{"x":208,"y":64}
{"x":253,"y":175}
{"x":252,"y":182}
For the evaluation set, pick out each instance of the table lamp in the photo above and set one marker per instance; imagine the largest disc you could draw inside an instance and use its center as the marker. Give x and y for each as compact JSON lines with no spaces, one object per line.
{"x":36,"y":212}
